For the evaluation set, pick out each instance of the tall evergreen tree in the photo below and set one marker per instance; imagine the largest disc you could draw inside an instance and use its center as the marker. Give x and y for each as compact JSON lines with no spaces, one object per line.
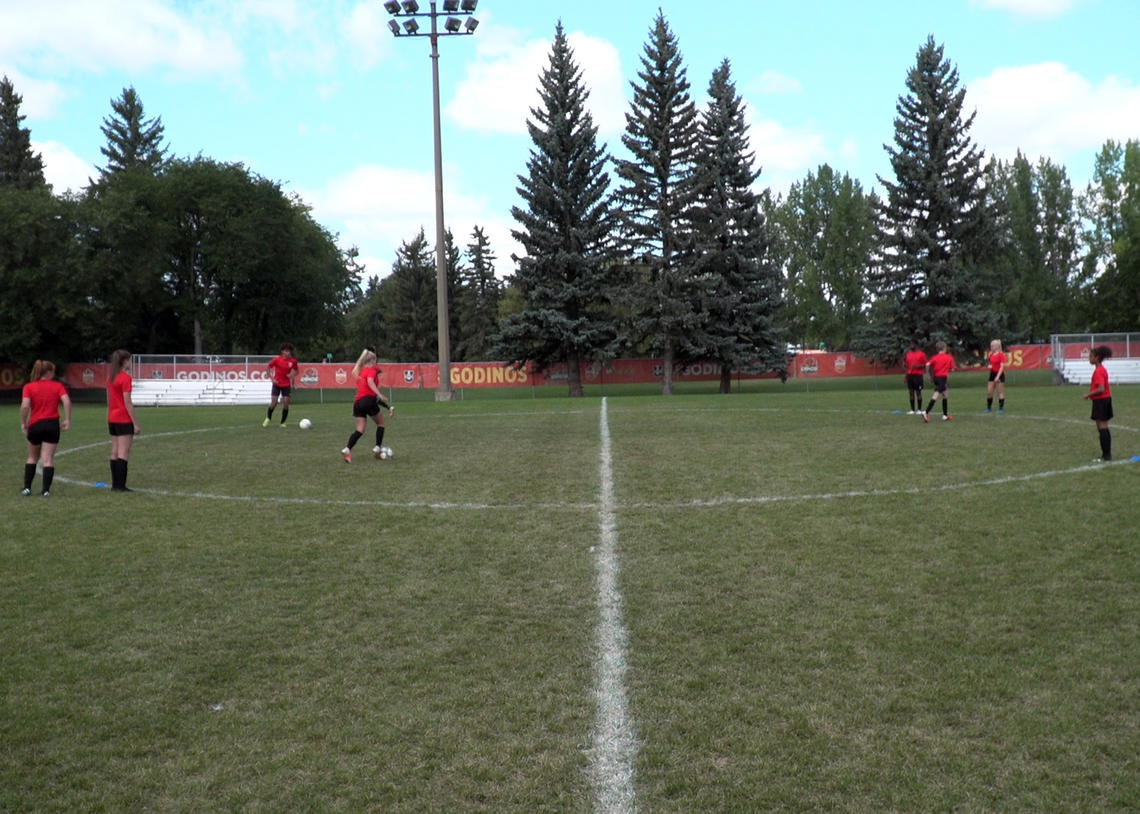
{"x":566,"y":277}
{"x":409,"y":328}
{"x":739,"y":287}
{"x":935,"y":232}
{"x":657,"y":190}
{"x":19,"y":166}
{"x":132,"y":141}
{"x":1111,"y":206}
{"x":477,"y":303}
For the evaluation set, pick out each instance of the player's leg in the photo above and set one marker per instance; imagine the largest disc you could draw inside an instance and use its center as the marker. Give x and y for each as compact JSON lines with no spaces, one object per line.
{"x":47,"y":456}
{"x":272,"y":407}
{"x":285,"y":408}
{"x":30,"y":468}
{"x":1001,"y":393}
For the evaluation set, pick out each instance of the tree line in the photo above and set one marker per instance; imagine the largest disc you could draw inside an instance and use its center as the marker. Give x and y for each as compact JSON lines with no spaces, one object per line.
{"x":672,"y":250}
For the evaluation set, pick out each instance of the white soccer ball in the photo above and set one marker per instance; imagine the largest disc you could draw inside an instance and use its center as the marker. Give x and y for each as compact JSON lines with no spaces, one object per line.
{"x":385,"y":453}
{"x":304,"y":423}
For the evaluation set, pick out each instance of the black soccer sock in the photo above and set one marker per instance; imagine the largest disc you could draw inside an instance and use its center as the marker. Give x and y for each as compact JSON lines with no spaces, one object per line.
{"x":379,"y":435}
{"x":945,"y":406}
{"x":29,"y":475}
{"x":352,"y":439}
{"x":284,"y":414}
{"x":49,"y":476}
{"x":1001,"y":404}
{"x":114,"y":473}
{"x":269,"y":413}
{"x":121,"y":466}
{"x":930,"y":406}
{"x":1105,"y":444}
{"x":989,"y":403}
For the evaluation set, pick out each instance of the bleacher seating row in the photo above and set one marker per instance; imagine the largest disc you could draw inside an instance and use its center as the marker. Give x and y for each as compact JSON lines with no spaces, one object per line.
{"x":183,"y":392}
{"x":1120,"y":371}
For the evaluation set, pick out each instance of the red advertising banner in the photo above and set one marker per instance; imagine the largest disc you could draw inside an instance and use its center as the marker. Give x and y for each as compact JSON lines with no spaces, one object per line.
{"x":425,"y":376}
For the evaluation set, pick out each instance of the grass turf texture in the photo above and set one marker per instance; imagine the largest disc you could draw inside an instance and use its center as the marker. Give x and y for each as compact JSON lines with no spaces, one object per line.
{"x":418,"y":634}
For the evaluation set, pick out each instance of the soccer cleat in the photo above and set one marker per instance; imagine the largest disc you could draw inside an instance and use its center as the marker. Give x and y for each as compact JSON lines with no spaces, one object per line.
{"x":26,"y":492}
{"x":910,"y":412}
{"x":988,"y":410}
{"x":265,"y":423}
{"x":377,"y":452}
{"x":347,"y":453}
{"x":45,"y":494}
{"x":1000,"y":410}
{"x":947,"y":418}
{"x":282,"y":423}
{"x":926,"y":417}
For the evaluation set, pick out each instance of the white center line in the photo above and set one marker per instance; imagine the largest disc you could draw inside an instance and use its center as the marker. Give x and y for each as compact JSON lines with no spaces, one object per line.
{"x":615,"y":747}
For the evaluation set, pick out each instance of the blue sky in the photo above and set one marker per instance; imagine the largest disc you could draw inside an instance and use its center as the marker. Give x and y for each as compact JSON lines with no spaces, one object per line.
{"x":322,"y":98}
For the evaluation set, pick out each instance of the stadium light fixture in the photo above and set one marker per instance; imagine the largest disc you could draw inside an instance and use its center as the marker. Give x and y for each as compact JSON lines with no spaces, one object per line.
{"x":452,"y":26}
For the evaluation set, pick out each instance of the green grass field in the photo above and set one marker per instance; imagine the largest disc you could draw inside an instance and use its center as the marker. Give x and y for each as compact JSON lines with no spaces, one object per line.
{"x":826,"y":606}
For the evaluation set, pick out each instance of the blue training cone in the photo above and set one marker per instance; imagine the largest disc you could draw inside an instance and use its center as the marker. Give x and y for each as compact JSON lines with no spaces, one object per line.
{"x":100,"y":485}
{"x":1135,"y":458}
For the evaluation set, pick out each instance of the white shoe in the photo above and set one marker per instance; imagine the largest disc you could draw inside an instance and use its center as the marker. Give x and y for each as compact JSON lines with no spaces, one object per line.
{"x":347,"y":453}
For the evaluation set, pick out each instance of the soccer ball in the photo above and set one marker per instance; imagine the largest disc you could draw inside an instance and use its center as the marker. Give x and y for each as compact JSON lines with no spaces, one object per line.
{"x":304,"y":423}
{"x":385,"y":453}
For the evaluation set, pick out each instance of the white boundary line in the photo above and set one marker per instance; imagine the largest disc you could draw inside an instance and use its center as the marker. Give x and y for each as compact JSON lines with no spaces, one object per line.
{"x":615,"y":748}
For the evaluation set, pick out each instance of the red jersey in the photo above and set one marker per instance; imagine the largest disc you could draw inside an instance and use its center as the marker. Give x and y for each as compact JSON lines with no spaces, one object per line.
{"x":281,"y":368}
{"x":366,"y":375}
{"x":44,"y":396}
{"x":941,"y":364}
{"x":915,"y":362}
{"x":116,"y":408}
{"x":996,"y":361}
{"x":1100,"y":377}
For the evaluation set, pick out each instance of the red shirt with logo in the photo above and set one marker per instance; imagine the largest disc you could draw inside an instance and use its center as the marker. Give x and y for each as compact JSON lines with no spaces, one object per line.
{"x":1100,"y":377}
{"x":996,"y":361}
{"x":915,"y":361}
{"x":366,"y":375}
{"x":281,"y":368}
{"x":941,"y":364}
{"x":44,"y":395}
{"x":116,"y":407}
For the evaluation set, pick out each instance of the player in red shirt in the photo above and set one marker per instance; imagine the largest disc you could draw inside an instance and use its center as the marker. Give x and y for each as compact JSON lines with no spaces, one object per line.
{"x":122,"y":423}
{"x":940,"y":366}
{"x":367,"y":403}
{"x":284,"y":369}
{"x":40,"y":423}
{"x":915,"y":363}
{"x":1100,"y":394}
{"x":997,"y":378}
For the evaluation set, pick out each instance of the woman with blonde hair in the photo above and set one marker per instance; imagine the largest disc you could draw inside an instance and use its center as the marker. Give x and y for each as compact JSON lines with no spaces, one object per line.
{"x":997,"y":378}
{"x":121,"y":420}
{"x":367,"y":403}
{"x":40,"y":422}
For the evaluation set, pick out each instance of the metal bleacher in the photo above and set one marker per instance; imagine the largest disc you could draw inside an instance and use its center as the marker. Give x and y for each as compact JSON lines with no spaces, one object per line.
{"x":1071,"y":364}
{"x":180,"y":392}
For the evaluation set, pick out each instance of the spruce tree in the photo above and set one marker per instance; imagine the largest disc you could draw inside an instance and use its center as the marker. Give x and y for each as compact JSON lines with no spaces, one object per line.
{"x":935,"y":232}
{"x":657,"y":189}
{"x":740,"y":289}
{"x":19,"y":166}
{"x":409,"y":329}
{"x":132,"y":141}
{"x":477,"y":303}
{"x":566,"y":278}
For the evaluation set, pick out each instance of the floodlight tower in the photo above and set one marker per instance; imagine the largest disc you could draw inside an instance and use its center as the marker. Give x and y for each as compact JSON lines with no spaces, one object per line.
{"x":452,"y":26}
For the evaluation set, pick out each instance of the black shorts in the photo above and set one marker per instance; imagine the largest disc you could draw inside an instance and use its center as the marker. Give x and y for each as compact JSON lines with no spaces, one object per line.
{"x":44,"y":432}
{"x":365,"y":407}
{"x":282,"y":390}
{"x":940,"y":383}
{"x":995,"y":377}
{"x":914,"y":381}
{"x":1102,"y":409}
{"x":123,"y":428}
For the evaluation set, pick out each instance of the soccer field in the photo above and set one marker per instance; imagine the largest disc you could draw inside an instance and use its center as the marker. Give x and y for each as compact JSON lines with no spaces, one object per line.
{"x":784,"y":599}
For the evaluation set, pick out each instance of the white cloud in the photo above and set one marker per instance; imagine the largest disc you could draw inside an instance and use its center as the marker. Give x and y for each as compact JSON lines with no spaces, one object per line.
{"x":501,"y":85}
{"x":784,"y":153}
{"x":365,"y":30}
{"x":776,"y":83}
{"x":63,"y":169}
{"x":1050,"y":110}
{"x":96,"y":35}
{"x":377,"y":208}
{"x":1029,"y":8}
{"x":40,"y":98}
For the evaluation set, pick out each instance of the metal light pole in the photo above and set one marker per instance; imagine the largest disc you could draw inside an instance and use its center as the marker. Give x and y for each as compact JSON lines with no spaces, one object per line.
{"x":452,"y":26}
